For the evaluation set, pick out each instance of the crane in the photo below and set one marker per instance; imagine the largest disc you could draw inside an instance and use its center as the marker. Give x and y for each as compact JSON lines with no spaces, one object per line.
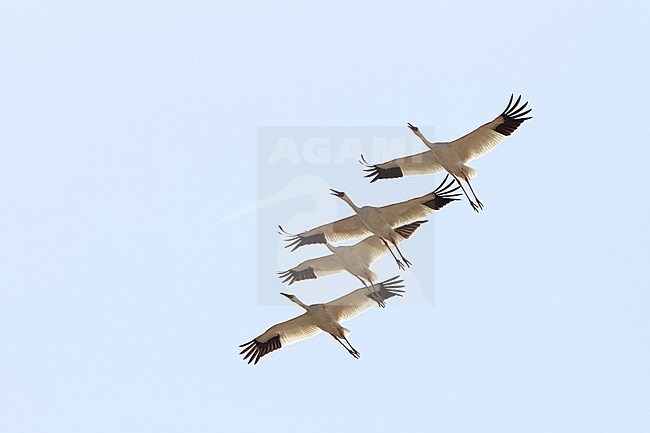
{"x":356,"y":259}
{"x":319,"y":317}
{"x":391,"y":223}
{"x":453,"y":156}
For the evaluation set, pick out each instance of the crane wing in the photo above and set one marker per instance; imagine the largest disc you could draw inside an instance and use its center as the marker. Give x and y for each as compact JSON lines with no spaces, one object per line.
{"x":359,"y":301}
{"x":313,"y":268}
{"x":412,"y":165}
{"x":398,"y":214}
{"x":369,"y":250}
{"x":411,"y":211}
{"x":337,"y":231}
{"x":278,"y":336}
{"x":486,"y":137}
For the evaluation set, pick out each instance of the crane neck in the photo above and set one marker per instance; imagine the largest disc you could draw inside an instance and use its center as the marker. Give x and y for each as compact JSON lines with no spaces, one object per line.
{"x":346,"y":199}
{"x":299,"y":302}
{"x":423,"y":138}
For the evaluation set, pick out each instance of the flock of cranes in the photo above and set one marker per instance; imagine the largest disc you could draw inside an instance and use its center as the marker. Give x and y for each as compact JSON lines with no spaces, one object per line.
{"x":384,"y":228}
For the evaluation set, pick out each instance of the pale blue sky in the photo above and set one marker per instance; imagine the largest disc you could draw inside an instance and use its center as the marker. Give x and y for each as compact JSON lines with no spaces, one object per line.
{"x":128,"y":130}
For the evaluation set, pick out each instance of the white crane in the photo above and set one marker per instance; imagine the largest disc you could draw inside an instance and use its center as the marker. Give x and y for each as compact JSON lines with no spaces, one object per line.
{"x":319,"y":317}
{"x":391,"y":223}
{"x":453,"y":156}
{"x":356,"y":259}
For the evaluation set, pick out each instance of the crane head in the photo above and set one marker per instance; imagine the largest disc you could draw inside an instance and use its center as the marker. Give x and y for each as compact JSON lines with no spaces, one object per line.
{"x":291,"y":297}
{"x":340,"y":194}
{"x":413,"y":128}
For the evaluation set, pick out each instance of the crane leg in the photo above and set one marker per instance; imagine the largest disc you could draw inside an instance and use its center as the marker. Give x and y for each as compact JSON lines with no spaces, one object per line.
{"x":478,"y":202}
{"x":402,"y":255}
{"x":352,"y":351}
{"x":373,"y":293}
{"x":463,"y":188}
{"x":399,"y":264}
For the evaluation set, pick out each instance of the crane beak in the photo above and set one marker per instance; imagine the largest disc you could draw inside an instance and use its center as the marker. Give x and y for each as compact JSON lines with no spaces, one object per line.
{"x":284,"y":294}
{"x":413,"y":128}
{"x":337,"y":193}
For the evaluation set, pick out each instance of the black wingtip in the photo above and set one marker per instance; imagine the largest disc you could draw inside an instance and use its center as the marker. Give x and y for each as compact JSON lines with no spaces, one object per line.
{"x":390,"y":287}
{"x":297,"y":241}
{"x":443,"y":194}
{"x":254,"y":349}
{"x":407,"y":230}
{"x":513,"y":116}
{"x":376,"y":172}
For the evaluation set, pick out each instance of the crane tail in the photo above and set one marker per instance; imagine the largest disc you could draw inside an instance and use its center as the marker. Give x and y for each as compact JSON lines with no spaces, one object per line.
{"x":469,"y":172}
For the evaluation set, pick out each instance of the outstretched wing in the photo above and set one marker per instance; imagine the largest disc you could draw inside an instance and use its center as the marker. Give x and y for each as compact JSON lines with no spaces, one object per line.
{"x":410,"y":211}
{"x":485,"y":138}
{"x":369,"y":250}
{"x":337,"y":231}
{"x":412,"y":165}
{"x":359,"y":301}
{"x":468,"y":147}
{"x":278,"y":336}
{"x":313,"y":268}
